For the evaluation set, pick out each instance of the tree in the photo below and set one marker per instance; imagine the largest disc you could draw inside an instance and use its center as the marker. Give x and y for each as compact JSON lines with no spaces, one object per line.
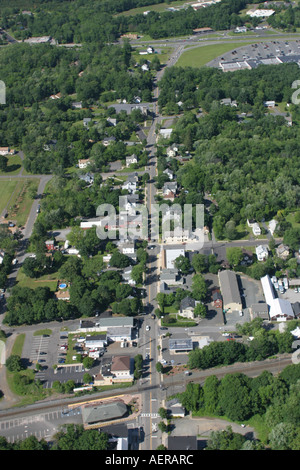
{"x":199,"y":288}
{"x":282,"y":436}
{"x":3,"y":163}
{"x":182,"y":264}
{"x":199,"y":263}
{"x":159,"y":368}
{"x":225,"y":440}
{"x":234,"y":255}
{"x":200,"y":310}
{"x":88,"y":362}
{"x":118,"y":260}
{"x":14,"y":364}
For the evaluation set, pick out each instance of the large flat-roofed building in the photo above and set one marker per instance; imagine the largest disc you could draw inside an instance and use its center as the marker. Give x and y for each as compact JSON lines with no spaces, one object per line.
{"x":178,"y":346}
{"x":169,"y":256}
{"x":230,"y":291}
{"x":279,"y":309}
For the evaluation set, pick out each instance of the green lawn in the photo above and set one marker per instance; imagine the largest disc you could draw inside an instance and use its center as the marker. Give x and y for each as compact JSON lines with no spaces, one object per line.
{"x":49,"y":280}
{"x":20,"y":202}
{"x":14,"y":165}
{"x":7,"y":188}
{"x":199,"y":56}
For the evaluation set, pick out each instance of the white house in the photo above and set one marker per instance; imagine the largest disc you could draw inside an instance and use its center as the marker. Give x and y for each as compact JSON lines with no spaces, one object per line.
{"x":169,"y":173}
{"x":272,"y":226}
{"x":261,"y":252}
{"x":83,"y":163}
{"x":165,"y":133}
{"x":131,"y":159}
{"x":256,"y":229}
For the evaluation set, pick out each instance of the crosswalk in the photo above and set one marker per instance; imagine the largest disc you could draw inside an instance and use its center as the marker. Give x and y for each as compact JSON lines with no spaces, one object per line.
{"x":149,"y":415}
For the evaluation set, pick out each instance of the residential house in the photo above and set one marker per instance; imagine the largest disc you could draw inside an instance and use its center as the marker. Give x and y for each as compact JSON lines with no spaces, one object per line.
{"x":169,"y":173}
{"x":230,"y":291}
{"x":272,"y":226}
{"x":62,"y":295}
{"x":83,"y":163}
{"x":126,"y":275}
{"x":172,"y":150}
{"x":127,"y":248}
{"x":262,"y":252}
{"x":169,"y":190}
{"x":77,"y":105}
{"x":187,"y":307}
{"x":131,"y":159}
{"x":87,"y":178}
{"x":50,"y":145}
{"x":282,"y":251}
{"x":108,"y":140}
{"x":6,"y":151}
{"x":228,"y":102}
{"x":86,"y":122}
{"x":130,"y":186}
{"x":255,"y":227}
{"x":112,"y":121}
{"x":49,"y":245}
{"x":165,"y":133}
{"x":56,"y":96}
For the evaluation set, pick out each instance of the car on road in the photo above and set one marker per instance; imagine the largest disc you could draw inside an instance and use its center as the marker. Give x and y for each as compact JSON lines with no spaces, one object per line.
{"x":147,"y":328}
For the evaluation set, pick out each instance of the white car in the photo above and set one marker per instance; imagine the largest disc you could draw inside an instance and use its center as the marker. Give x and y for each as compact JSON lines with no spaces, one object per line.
{"x":147,"y":328}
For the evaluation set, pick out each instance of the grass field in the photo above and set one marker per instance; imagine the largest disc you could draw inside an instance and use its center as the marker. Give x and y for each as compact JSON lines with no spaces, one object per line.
{"x":7,"y":188}
{"x":49,"y":280}
{"x":19,"y":200}
{"x":199,"y":56}
{"x":158,"y":7}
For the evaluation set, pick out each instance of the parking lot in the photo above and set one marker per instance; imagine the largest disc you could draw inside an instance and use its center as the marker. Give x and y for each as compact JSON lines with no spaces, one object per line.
{"x":260,"y":50}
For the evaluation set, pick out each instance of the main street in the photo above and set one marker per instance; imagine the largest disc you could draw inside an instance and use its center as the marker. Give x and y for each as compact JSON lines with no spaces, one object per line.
{"x":154,"y":388}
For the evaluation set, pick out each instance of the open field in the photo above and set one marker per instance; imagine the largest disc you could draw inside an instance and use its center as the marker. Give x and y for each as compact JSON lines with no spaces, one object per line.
{"x":199,"y":56}
{"x":19,"y":198}
{"x":7,"y":188}
{"x":49,"y":280}
{"x":158,"y":7}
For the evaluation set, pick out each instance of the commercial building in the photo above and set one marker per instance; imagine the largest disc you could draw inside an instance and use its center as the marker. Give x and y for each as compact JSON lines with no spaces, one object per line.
{"x":230,"y":291}
{"x":279,"y":309}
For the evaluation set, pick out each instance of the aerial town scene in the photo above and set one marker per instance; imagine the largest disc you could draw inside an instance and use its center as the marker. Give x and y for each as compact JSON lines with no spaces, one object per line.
{"x":149,"y":227}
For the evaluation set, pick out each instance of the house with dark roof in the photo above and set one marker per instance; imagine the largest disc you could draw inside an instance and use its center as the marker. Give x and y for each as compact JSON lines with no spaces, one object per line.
{"x":187,"y":307}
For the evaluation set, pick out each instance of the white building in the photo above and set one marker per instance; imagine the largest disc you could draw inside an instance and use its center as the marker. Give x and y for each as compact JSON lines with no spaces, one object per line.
{"x":83,"y":163}
{"x":262,"y":252}
{"x":171,"y":255}
{"x":279,"y":309}
{"x":260,"y":13}
{"x":131,"y":159}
